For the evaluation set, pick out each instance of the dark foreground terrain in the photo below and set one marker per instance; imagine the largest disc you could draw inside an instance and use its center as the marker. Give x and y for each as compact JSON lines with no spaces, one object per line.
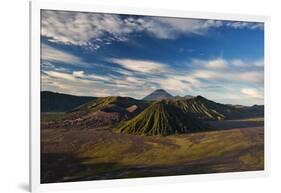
{"x":99,"y":153}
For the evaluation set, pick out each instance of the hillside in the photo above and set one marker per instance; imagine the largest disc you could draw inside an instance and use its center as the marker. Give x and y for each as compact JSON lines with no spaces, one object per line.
{"x":100,"y":112}
{"x":157,"y":119}
{"x":109,"y":104}
{"x":162,"y":118}
{"x":203,"y":108}
{"x":158,"y":94}
{"x":57,"y":102}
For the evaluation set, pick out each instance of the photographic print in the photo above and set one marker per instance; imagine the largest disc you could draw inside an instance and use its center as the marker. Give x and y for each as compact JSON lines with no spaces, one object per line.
{"x":131,"y":96}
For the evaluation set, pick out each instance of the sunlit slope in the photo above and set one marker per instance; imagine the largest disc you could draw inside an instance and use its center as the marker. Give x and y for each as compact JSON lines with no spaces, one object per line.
{"x":162,"y":118}
{"x":111,"y":103}
{"x":100,"y":112}
{"x":203,"y":108}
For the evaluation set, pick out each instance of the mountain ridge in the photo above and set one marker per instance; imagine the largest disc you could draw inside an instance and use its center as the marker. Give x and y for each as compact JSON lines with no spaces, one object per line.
{"x":204,"y":108}
{"x":112,"y":111}
{"x":162,"y":118}
{"x":60,"y":102}
{"x":101,"y":112}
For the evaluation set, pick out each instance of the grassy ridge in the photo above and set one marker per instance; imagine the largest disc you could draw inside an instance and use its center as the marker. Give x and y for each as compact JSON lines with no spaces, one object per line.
{"x":109,"y":103}
{"x":162,"y":118}
{"x":203,"y":108}
{"x":165,"y":117}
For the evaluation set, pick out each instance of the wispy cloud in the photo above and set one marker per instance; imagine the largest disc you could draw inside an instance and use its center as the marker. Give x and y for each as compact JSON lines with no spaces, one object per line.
{"x":252,"y":93}
{"x":143,"y":63}
{"x":145,"y":76}
{"x":232,"y":71}
{"x":51,"y":54}
{"x":95,"y":30}
{"x":217,"y":64}
{"x":79,"y":28}
{"x":60,"y":75}
{"x":170,"y":28}
{"x":252,"y":76}
{"x":81,"y":74}
{"x":73,"y":84}
{"x":241,"y":25}
{"x":80,"y":83}
{"x":144,"y":66}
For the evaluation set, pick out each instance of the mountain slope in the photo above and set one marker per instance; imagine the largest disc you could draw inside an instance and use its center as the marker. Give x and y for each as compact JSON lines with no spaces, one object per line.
{"x":158,"y":94}
{"x":111,"y":103}
{"x":57,"y":102}
{"x":101,"y":112}
{"x":156,"y":117}
{"x":203,"y":108}
{"x":162,"y":118}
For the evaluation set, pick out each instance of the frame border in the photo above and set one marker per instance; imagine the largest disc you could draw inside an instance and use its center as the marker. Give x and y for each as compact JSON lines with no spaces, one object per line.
{"x":34,"y":97}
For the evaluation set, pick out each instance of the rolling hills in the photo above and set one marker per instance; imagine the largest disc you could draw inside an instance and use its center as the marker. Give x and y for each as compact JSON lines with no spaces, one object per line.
{"x":143,"y":117}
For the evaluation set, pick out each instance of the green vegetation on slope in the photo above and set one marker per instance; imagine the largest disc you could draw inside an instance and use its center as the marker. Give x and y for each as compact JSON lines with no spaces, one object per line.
{"x":100,"y":112}
{"x":111,"y":103}
{"x":162,"y":118}
{"x":125,"y":107}
{"x":203,"y":108}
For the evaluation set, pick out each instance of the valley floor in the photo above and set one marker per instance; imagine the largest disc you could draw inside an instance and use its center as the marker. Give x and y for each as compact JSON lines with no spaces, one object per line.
{"x":95,"y":154}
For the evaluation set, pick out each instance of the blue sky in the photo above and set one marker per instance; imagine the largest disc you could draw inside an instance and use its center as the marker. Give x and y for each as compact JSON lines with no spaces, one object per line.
{"x":106,"y":54}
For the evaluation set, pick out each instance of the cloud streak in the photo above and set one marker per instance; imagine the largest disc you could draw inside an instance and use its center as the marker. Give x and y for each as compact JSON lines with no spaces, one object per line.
{"x":143,"y":66}
{"x":252,"y":93}
{"x":51,"y":54}
{"x":178,"y":55}
{"x":145,"y":76}
{"x":95,"y":30}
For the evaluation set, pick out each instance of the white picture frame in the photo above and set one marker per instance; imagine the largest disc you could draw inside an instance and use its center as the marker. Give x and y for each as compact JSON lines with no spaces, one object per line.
{"x":36,"y":6}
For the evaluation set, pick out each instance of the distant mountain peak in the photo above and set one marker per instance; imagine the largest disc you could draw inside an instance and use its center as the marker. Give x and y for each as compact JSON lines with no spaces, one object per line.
{"x":199,"y":97}
{"x":160,"y":90}
{"x":158,"y":94}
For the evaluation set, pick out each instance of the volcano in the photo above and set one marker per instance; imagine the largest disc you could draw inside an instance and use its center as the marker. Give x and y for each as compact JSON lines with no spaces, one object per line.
{"x":158,"y":94}
{"x":162,"y":118}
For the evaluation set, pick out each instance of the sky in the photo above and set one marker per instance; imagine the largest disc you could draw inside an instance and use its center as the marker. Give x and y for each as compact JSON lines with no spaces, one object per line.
{"x":94,"y":54}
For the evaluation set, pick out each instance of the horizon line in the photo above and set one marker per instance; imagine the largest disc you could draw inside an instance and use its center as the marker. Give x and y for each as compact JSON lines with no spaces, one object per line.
{"x":147,"y":95}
